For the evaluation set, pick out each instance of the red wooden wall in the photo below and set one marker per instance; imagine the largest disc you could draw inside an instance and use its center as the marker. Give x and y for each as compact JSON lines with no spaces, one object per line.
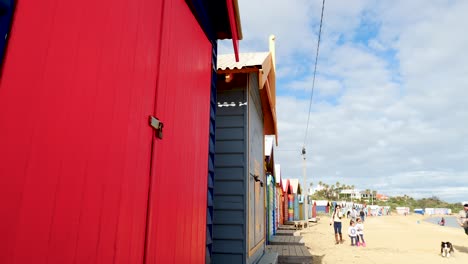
{"x":79,"y":81}
{"x":179,"y":199}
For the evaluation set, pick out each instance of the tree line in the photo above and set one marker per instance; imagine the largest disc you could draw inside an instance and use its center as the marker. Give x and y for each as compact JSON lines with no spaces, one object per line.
{"x":332,"y":192}
{"x":431,"y":202}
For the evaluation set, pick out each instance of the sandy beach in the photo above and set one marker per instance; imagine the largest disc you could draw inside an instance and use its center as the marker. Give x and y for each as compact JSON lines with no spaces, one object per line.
{"x":390,"y":239}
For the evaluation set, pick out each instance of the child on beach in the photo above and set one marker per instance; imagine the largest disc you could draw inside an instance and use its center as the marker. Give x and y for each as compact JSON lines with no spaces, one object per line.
{"x":360,"y":233}
{"x":352,"y":233}
{"x":442,"y":222}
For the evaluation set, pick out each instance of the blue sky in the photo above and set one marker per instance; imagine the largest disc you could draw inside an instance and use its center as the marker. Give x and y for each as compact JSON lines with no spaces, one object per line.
{"x":390,"y":107}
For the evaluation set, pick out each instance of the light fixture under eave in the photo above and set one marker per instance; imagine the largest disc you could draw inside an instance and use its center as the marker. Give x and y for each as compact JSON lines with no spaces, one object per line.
{"x":228,"y":77}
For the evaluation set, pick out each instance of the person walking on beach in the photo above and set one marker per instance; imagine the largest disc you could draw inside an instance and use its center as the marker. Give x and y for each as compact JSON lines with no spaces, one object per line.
{"x":362,"y":215}
{"x":352,"y":233}
{"x":354,"y":214}
{"x":336,"y":221}
{"x":360,"y":233}
{"x":463,"y":218}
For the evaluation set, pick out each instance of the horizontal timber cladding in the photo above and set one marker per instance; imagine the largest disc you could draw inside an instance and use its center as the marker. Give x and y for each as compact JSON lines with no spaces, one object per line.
{"x":229,"y":160}
{"x":230,"y":173}
{"x":229,"y":216}
{"x":228,"y":187}
{"x":230,"y":202}
{"x":227,"y":258}
{"x":239,"y":203}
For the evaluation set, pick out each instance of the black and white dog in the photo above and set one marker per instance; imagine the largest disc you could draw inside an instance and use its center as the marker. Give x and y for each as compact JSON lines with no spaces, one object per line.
{"x":446,"y":249}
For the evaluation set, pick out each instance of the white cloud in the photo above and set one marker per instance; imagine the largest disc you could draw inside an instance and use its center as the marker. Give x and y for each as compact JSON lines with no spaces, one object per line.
{"x":377,"y":45}
{"x":325,"y":88}
{"x":395,"y":122}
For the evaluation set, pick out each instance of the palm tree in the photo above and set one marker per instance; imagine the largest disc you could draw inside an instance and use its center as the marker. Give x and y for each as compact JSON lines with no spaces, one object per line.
{"x":374,"y":193}
{"x":320,"y":183}
{"x":339,"y":187}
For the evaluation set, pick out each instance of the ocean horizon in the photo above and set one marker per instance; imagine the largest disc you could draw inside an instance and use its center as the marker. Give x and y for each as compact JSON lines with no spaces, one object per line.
{"x":450,"y":221}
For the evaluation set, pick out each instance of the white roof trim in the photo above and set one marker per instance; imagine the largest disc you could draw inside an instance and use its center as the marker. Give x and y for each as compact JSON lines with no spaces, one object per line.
{"x":278,"y":173}
{"x":269,"y":145}
{"x":228,"y":61}
{"x":295,"y":185}
{"x":321,"y":203}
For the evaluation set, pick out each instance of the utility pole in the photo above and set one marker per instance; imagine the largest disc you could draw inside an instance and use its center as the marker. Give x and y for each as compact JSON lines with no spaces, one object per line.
{"x":306,"y":195}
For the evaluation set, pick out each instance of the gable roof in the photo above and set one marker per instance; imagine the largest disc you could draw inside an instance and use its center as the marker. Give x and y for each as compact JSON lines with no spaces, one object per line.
{"x":246,"y":60}
{"x":219,"y":19}
{"x":294,"y":183}
{"x":285,"y":185}
{"x":262,"y":63}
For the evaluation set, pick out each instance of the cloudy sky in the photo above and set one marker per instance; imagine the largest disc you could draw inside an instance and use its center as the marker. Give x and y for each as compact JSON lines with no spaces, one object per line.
{"x":390,"y":104}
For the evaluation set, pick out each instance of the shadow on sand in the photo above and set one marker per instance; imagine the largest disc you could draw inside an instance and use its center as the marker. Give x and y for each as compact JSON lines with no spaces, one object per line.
{"x":461,"y":249}
{"x":316,"y":259}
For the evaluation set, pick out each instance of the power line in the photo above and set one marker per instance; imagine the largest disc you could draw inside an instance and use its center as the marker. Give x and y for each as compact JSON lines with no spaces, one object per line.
{"x":313,"y":80}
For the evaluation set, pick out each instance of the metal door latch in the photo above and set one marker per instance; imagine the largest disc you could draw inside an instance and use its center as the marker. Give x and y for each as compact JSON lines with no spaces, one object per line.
{"x":157,"y":125}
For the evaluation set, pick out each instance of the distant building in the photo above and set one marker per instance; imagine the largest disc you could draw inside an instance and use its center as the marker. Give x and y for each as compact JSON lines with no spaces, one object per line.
{"x":366,"y":196}
{"x":350,"y":194}
{"x":361,"y":195}
{"x":381,"y":197}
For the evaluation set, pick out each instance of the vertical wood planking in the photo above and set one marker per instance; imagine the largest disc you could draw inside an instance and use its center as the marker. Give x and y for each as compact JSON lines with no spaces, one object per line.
{"x":177,"y":217}
{"x":77,"y":87}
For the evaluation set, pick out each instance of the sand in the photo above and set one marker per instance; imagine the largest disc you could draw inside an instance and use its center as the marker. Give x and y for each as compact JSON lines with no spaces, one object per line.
{"x":390,"y":239}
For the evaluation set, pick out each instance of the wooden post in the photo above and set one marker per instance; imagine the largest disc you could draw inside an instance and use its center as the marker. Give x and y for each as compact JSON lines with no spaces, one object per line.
{"x":272,"y":50}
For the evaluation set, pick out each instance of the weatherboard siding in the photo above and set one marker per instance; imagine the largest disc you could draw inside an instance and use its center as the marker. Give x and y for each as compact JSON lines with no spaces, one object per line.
{"x":230,"y":173}
{"x":239,"y":213}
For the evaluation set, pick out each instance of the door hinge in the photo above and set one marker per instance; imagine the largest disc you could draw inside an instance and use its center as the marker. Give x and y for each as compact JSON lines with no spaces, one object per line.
{"x":157,"y":125}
